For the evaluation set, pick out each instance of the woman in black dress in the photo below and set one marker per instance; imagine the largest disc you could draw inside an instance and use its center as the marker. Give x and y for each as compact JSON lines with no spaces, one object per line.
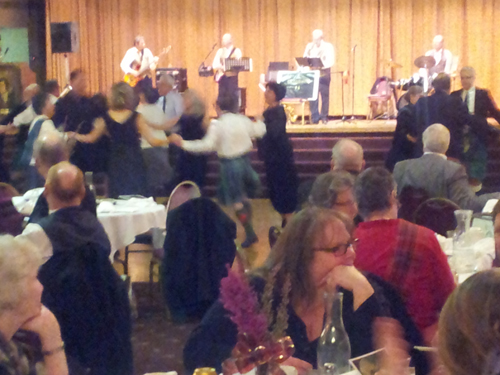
{"x":124,"y":126}
{"x":276,"y":151}
{"x":192,"y":125}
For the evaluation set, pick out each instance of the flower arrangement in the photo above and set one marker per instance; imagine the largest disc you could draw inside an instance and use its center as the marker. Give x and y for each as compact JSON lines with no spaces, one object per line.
{"x":261,"y":341}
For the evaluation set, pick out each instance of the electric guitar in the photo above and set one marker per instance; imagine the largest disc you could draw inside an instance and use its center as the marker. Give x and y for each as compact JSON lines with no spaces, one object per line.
{"x":144,"y":72}
{"x":221,"y":71}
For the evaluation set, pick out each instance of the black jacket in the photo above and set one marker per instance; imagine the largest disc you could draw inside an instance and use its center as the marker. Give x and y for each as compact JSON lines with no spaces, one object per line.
{"x":86,"y":294}
{"x":198,"y":246}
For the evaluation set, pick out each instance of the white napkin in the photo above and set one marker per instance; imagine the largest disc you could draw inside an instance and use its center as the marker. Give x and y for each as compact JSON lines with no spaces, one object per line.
{"x":26,"y":203}
{"x":488,"y":207}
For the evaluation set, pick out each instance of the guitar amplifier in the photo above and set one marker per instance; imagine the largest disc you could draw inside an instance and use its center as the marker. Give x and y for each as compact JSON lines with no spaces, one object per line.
{"x":179,"y":75}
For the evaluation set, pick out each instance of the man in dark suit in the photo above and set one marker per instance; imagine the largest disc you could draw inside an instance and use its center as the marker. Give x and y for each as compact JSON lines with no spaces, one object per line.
{"x":441,"y":108}
{"x":81,"y":287}
{"x":75,"y":112}
{"x":480,"y":105}
{"x":438,"y":176}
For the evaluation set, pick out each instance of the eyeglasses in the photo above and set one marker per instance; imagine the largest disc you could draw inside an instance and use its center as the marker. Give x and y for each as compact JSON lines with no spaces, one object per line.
{"x":339,"y":250}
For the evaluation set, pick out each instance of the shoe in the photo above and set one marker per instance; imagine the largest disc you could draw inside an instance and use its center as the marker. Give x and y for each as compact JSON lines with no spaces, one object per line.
{"x":249,"y":241}
{"x":324,"y":121}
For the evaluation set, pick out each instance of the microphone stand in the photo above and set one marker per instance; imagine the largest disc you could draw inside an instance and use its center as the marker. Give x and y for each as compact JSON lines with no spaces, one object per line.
{"x":353,"y":118}
{"x":202,"y":65}
{"x":344,"y":118}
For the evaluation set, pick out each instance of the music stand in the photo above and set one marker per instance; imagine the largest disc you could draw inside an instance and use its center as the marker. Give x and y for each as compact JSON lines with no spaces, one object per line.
{"x":311,"y":62}
{"x":238,"y":65}
{"x":273,"y":69}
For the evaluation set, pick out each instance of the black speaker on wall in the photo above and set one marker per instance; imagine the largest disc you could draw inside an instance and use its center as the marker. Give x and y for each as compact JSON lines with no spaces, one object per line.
{"x":64,"y":37}
{"x":36,"y":39}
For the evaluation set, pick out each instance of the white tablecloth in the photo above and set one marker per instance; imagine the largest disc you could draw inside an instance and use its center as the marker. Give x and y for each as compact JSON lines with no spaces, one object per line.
{"x":122,"y":220}
{"x":130,"y":219}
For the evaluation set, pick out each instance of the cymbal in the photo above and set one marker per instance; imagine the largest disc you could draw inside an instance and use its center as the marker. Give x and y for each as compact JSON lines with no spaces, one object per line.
{"x":425,"y":62}
{"x":391,"y":64}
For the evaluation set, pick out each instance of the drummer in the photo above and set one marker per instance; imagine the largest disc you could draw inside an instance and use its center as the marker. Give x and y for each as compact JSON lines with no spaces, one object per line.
{"x":443,"y":57}
{"x":442,"y":63}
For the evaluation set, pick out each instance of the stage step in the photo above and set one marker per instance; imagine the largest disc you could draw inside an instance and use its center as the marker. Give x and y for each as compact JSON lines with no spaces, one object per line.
{"x":312,"y":154}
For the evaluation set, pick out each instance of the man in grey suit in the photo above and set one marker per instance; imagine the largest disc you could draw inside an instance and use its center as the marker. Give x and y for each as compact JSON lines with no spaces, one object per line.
{"x":440,"y":177}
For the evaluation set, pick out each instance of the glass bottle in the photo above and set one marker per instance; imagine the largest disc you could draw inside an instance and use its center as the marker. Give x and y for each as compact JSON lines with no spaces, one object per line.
{"x":464,"y":258}
{"x":334,"y":348}
{"x":89,"y":181}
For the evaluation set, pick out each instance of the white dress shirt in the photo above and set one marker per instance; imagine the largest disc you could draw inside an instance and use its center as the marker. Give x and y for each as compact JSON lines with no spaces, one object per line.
{"x":152,"y":115}
{"x":439,"y":55}
{"x":230,"y":136}
{"x":35,"y":234}
{"x":223,"y":53}
{"x":133,"y":54}
{"x":173,"y":104}
{"x":25,"y":117}
{"x":471,"y":99}
{"x":443,"y":156}
{"x":324,"y":51}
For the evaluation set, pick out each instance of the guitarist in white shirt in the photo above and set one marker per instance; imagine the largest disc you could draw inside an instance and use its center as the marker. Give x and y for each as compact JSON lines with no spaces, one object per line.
{"x":228,"y":81}
{"x":138,"y":61}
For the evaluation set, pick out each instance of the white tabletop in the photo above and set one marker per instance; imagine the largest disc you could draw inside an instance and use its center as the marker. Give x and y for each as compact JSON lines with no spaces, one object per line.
{"x":122,"y":219}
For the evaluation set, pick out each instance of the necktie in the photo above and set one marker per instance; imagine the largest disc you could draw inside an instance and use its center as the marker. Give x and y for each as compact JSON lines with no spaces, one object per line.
{"x":466,"y":99}
{"x":164,"y":103}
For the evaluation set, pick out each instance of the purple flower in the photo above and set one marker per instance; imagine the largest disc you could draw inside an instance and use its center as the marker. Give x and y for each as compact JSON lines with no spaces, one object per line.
{"x":240,"y":300}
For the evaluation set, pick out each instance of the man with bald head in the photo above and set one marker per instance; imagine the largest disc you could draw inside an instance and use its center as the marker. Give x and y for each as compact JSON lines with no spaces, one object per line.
{"x":169,"y":101}
{"x":318,"y":48}
{"x":347,"y":155}
{"x":228,"y":81}
{"x":64,"y":192}
{"x":81,"y":287}
{"x":438,"y":176}
{"x":50,"y":150}
{"x":443,"y":57}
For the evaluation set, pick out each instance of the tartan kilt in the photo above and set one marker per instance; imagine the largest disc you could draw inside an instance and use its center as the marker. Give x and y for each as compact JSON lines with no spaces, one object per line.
{"x":237,"y":180}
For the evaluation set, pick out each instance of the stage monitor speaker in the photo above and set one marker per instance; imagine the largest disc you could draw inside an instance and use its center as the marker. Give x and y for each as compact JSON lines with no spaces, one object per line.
{"x":64,"y":37}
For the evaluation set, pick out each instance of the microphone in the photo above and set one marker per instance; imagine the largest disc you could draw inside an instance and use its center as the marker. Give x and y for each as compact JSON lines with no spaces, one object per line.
{"x":215,"y":44}
{"x":6,"y":50}
{"x":353,"y":48}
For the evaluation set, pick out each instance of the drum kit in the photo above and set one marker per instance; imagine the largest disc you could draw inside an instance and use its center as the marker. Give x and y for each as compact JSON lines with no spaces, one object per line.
{"x":422,"y":62}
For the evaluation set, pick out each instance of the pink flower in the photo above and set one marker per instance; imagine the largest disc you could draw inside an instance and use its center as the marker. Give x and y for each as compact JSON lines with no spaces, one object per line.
{"x":240,"y":300}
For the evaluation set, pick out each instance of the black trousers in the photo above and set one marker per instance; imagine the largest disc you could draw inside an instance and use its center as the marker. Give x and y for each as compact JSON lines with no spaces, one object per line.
{"x":324,"y":91}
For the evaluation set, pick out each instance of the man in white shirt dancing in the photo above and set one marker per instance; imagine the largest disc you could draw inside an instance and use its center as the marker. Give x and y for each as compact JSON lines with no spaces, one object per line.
{"x":228,"y":81}
{"x":231,"y":137}
{"x":325,"y":51}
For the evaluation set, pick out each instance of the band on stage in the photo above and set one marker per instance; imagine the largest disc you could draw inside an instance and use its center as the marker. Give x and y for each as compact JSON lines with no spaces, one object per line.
{"x":139,"y":66}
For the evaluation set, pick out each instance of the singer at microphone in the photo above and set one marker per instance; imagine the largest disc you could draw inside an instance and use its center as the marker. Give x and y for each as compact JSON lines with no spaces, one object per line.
{"x":228,"y":81}
{"x":320,"y":49}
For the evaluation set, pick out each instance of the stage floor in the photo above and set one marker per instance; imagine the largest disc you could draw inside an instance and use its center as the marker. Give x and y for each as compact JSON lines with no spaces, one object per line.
{"x":337,"y":126}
